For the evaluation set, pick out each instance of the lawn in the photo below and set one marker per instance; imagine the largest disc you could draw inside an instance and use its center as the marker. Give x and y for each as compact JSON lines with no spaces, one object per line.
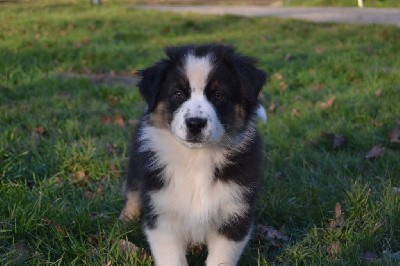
{"x":333,"y":93}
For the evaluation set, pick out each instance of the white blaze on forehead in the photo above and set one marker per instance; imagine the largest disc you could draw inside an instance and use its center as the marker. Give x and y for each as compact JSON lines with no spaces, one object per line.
{"x":197,"y":70}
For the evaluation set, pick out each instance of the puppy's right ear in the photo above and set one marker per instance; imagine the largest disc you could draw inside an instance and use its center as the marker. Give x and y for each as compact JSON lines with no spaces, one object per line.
{"x":150,"y":83}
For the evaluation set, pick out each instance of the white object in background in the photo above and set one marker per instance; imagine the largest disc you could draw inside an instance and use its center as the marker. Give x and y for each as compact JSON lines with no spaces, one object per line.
{"x":261,"y":113}
{"x":360,"y":3}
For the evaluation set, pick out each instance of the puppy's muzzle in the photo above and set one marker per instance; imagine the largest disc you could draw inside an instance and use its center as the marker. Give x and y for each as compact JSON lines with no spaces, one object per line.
{"x":195,"y":125}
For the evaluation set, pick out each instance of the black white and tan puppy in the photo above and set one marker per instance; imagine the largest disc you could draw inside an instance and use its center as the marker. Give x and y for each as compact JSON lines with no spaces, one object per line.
{"x":196,"y":161}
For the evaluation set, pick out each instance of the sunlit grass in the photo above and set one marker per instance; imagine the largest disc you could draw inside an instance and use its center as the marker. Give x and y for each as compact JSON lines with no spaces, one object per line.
{"x":61,"y":164}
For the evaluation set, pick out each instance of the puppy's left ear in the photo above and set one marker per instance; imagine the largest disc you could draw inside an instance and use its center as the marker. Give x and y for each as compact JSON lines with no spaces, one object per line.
{"x":151,"y":81}
{"x":250,"y":77}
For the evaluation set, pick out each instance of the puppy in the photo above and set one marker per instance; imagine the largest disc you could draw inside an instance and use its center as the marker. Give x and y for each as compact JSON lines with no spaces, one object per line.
{"x":196,"y":161}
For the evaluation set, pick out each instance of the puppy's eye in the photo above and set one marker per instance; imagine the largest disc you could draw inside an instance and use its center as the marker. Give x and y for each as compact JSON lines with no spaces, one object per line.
{"x":218,"y":96}
{"x":179,"y":95}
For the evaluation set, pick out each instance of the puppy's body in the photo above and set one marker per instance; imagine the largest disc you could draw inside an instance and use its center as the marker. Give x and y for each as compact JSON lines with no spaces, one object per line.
{"x":196,"y":159}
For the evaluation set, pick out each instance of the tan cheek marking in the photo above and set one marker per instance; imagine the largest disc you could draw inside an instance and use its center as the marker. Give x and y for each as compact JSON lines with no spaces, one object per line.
{"x":132,"y":206}
{"x":160,"y":116}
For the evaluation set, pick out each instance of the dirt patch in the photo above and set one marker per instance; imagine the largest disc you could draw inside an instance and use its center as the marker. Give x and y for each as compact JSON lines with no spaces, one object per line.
{"x":103,"y":79}
{"x":209,"y":2}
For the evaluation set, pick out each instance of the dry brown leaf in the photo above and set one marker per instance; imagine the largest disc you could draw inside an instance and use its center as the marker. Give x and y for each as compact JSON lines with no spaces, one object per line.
{"x":394,"y":136}
{"x":339,"y":220}
{"x":102,"y":186}
{"x":106,"y":119}
{"x":119,"y":120}
{"x":272,"y":108}
{"x":113,"y":100}
{"x":38,"y":131}
{"x":376,"y":151}
{"x":318,"y":50}
{"x":133,"y":122}
{"x":127,"y":246}
{"x":295,"y":112}
{"x":318,"y":86}
{"x":80,"y":177}
{"x":378,"y":93}
{"x":108,"y":263}
{"x":89,"y":195}
{"x":59,"y":229}
{"x":95,"y":238}
{"x":283,"y":85}
{"x":334,"y":249}
{"x":328,"y":104}
{"x":114,"y":170}
{"x":278,"y":76}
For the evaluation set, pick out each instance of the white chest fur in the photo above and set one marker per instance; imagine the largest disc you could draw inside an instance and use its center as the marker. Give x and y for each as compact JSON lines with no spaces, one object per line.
{"x":193,"y":202}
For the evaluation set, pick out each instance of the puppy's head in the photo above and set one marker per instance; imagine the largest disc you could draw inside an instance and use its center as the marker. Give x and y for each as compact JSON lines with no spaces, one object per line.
{"x":202,"y":94}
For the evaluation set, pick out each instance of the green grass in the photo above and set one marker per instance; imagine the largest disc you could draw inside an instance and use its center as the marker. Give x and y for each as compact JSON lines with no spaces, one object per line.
{"x":45,"y":217}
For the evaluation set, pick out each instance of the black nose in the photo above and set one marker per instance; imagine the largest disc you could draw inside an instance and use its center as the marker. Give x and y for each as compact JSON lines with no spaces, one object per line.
{"x":195,"y":124}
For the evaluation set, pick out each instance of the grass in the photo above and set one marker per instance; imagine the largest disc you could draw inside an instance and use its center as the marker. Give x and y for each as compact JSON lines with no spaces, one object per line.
{"x":61,"y":161}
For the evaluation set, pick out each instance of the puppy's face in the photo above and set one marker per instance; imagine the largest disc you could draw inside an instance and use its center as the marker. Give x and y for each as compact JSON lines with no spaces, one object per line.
{"x":204,"y":95}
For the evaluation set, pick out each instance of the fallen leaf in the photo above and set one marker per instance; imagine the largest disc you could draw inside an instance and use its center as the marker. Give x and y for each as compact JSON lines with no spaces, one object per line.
{"x":95,"y":238}
{"x":127,"y":246}
{"x":334,"y":249}
{"x":273,"y":237}
{"x":111,"y":148}
{"x":38,"y":131}
{"x":59,"y":229}
{"x":369,"y":256}
{"x":378,"y":93}
{"x":133,"y":122}
{"x":338,"y":141}
{"x":283,"y":85}
{"x":375,"y":152}
{"x":339,"y":220}
{"x":318,"y":86}
{"x":113,"y":100}
{"x":295,"y":112}
{"x":106,"y":119}
{"x":102,"y":186}
{"x":80,"y":177}
{"x":114,"y":170}
{"x":328,"y":104}
{"x":394,"y":136}
{"x":318,"y":50}
{"x":89,"y":195}
{"x":278,"y":76}
{"x":21,"y":250}
{"x":108,"y":263}
{"x":119,"y":120}
{"x":288,"y":57}
{"x":272,"y":108}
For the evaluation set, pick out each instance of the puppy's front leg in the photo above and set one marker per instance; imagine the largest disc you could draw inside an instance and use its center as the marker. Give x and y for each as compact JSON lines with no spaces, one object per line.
{"x":167,"y":248}
{"x":223,"y":251}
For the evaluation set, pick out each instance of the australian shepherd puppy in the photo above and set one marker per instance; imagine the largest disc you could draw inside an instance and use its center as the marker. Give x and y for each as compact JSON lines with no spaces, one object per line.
{"x":196,"y":161}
